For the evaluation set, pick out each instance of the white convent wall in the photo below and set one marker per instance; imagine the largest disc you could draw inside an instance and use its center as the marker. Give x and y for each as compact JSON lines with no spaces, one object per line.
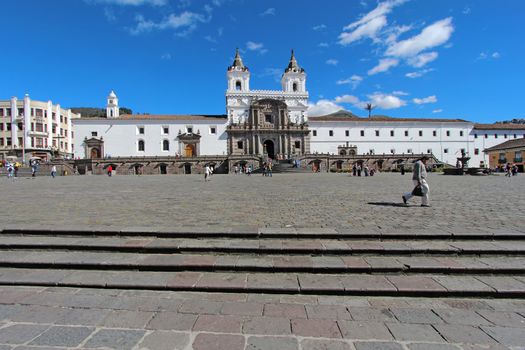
{"x":121,"y":137}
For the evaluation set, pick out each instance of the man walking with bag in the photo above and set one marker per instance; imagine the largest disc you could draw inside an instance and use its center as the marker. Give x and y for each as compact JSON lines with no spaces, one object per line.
{"x":419,"y":177}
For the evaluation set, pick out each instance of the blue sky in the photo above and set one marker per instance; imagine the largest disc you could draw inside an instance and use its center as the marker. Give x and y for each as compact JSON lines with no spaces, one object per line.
{"x":409,"y":58}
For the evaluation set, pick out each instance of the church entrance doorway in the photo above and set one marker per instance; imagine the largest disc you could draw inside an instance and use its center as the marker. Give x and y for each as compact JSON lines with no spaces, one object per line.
{"x":189,"y":150}
{"x":187,"y":168}
{"x":269,"y":149}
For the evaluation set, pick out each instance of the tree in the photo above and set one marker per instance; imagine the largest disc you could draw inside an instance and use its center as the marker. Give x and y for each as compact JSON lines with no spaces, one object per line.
{"x":369,"y":108}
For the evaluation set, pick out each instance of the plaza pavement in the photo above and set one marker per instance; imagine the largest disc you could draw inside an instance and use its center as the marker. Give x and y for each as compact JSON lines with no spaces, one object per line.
{"x":330,"y":222}
{"x":358,"y":204}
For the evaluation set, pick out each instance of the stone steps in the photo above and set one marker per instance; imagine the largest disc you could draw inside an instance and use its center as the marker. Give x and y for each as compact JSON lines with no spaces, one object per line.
{"x":421,"y":285}
{"x":270,"y":246}
{"x":290,"y":261}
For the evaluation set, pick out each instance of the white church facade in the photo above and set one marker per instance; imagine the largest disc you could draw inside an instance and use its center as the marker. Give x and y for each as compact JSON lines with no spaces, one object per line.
{"x":275,"y":124}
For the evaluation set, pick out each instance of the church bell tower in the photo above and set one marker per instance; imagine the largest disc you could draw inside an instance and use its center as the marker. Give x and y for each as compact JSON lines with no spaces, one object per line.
{"x":112,"y":109}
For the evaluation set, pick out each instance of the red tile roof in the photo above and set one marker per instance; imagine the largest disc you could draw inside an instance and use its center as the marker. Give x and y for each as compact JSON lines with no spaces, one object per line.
{"x":499,"y":126}
{"x":343,"y":116}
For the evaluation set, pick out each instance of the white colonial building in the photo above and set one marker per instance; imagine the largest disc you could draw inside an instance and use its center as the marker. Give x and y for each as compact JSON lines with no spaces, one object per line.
{"x":36,"y":128}
{"x":275,"y":124}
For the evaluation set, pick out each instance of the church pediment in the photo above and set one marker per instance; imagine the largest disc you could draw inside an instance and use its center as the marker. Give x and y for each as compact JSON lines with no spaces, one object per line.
{"x":189,"y":137}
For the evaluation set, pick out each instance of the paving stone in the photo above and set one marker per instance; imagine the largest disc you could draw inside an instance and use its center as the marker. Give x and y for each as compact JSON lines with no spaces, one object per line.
{"x":503,"y":284}
{"x":271,"y":343}
{"x":414,"y":332}
{"x":416,"y":284}
{"x":415,"y":315}
{"x":293,"y":261}
{"x":506,"y":335}
{"x":320,"y":283}
{"x":6,"y":310}
{"x":371,"y":314}
{"x":462,"y":284}
{"x":328,"y":262}
{"x":261,"y":282}
{"x":357,"y":263}
{"x":430,"y":346}
{"x":367,"y":283}
{"x":377,"y":346}
{"x":242,"y":309}
{"x":218,"y":324}
{"x":284,"y":310}
{"x":463,"y":317}
{"x":63,"y":336}
{"x":115,"y":339}
{"x":165,"y":340}
{"x":201,"y":307}
{"x":463,"y":334}
{"x":222,"y":281}
{"x":207,"y":341}
{"x":322,"y":344}
{"x":20,"y":333}
{"x":183,"y":279}
{"x":364,"y":330}
{"x":315,"y":328}
{"x":83,"y":317}
{"x":267,"y":326}
{"x":502,"y":318}
{"x":38,"y":314}
{"x":127,"y":319}
{"x":384,"y":263}
{"x":172,"y":321}
{"x":331,"y":312}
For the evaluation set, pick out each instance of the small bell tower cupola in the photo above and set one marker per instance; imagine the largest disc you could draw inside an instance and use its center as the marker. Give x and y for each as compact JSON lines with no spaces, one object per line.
{"x":112,"y":109}
{"x":294,"y":77}
{"x":238,"y":75}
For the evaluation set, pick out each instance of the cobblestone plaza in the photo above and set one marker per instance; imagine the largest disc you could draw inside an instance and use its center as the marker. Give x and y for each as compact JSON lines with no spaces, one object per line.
{"x":360,"y":204}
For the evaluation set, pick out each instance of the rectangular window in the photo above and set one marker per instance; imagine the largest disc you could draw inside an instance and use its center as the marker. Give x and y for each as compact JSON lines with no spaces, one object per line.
{"x":392,"y":133}
{"x":297,"y":144}
{"x":406,"y":133}
{"x":461,"y":133}
{"x":314,"y":132}
{"x":20,"y":111}
{"x":393,"y":151}
{"x":140,"y":130}
{"x":1,"y":141}
{"x":362,"y":133}
{"x":268,"y":118}
{"x":213,"y":130}
{"x":502,"y":156}
{"x":8,"y":112}
{"x":495,"y":136}
{"x":94,"y":134}
{"x":330,"y":133}
{"x":429,"y":151}
{"x":189,"y":129}
{"x":517,"y":156}
{"x":377,"y":132}
{"x":371,"y":151}
{"x":54,"y":129}
{"x":1,"y":126}
{"x":504,"y":136}
{"x":476,"y":151}
{"x":347,"y":133}
{"x":420,"y":133}
{"x":1,"y":112}
{"x":39,"y":127}
{"x":20,"y":141}
{"x":486,"y":136}
{"x":61,"y":118}
{"x":409,"y":150}
{"x":8,"y":126}
{"x":239,"y":145}
{"x":39,"y":112}
{"x":445,"y":150}
{"x":448,"y":132}
{"x":475,"y":136}
{"x":8,"y":141}
{"x":515,"y":136}
{"x":434,"y":133}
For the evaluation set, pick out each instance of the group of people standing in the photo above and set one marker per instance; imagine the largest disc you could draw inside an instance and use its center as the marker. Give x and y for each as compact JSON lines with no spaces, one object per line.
{"x":243,"y":169}
{"x":511,"y":170}
{"x":357,"y":170}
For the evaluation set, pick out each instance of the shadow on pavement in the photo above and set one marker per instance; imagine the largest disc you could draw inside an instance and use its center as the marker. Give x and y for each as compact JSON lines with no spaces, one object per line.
{"x":389,"y":204}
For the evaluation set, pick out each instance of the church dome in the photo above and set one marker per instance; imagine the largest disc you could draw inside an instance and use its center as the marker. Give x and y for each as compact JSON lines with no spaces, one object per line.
{"x":112,"y":94}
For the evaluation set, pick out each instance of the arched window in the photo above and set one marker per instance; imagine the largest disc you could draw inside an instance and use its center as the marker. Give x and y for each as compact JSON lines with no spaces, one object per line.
{"x":238,"y":85}
{"x":294,"y":87}
{"x":141,"y":145}
{"x":165,"y":145}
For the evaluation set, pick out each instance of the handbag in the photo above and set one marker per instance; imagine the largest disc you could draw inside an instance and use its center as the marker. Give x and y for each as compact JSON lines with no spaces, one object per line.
{"x":417,"y":191}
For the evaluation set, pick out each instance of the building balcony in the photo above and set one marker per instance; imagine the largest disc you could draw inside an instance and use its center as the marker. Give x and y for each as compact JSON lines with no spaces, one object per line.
{"x":518,"y":160}
{"x":38,"y":133}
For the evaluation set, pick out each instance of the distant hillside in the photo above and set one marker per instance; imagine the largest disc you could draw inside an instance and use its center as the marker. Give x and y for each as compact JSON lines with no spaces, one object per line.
{"x":513,"y":121}
{"x":89,"y":112}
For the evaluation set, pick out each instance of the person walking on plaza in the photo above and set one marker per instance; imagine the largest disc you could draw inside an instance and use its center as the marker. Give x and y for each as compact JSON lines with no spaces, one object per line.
{"x":110,"y":170}
{"x":269,"y":169}
{"x":53,"y":171}
{"x":207,"y":173}
{"x":419,"y":178}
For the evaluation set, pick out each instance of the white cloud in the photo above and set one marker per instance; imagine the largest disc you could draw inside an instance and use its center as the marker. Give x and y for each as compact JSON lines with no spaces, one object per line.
{"x":487,"y":55}
{"x":253,"y":46}
{"x":437,"y":111}
{"x":400,"y":93}
{"x":496,"y":55}
{"x":431,"y":36}
{"x":354,"y":80}
{"x":132,"y":2}
{"x":422,"y":59}
{"x":323,"y":45}
{"x":269,"y":12}
{"x":384,"y":65}
{"x":393,"y":33}
{"x":323,"y":107}
{"x":319,"y":27}
{"x":347,"y":99}
{"x":186,"y":21}
{"x":332,"y":62}
{"x":418,"y":74}
{"x":385,"y":101}
{"x":369,"y":25}
{"x":466,"y":10}
{"x":166,"y":56}
{"x":425,"y":100}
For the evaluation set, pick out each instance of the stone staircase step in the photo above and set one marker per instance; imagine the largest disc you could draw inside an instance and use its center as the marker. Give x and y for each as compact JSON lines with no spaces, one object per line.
{"x":423,"y":285}
{"x":89,"y":260}
{"x":262,"y":246}
{"x":266,"y":233}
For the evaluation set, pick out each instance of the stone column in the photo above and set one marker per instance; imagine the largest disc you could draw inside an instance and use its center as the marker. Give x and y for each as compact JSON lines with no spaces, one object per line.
{"x":49,"y":112}
{"x":59,"y":127}
{"x":69,"y":134}
{"x":27,"y":121}
{"x":14,"y":125}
